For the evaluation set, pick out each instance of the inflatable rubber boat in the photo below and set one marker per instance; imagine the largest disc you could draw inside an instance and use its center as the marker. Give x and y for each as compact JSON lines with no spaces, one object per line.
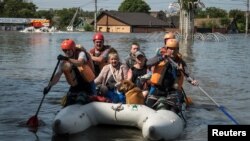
{"x":155,"y":125}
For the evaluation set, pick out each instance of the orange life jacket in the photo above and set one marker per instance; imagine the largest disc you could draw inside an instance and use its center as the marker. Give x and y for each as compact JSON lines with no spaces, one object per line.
{"x":159,"y":69}
{"x":157,"y":76}
{"x":86,"y":70}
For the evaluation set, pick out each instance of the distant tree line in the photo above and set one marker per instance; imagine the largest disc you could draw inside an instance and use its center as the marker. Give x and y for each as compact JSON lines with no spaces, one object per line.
{"x":213,"y":12}
{"x":61,"y":18}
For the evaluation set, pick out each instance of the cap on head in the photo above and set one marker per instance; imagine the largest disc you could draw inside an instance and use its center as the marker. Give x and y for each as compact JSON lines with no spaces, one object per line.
{"x":172,"y":43}
{"x":98,"y":36}
{"x":169,"y":35}
{"x":68,"y":44}
{"x":139,"y":53}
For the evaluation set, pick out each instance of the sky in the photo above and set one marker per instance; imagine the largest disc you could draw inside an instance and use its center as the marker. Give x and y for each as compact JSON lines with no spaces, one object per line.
{"x":156,"y":5}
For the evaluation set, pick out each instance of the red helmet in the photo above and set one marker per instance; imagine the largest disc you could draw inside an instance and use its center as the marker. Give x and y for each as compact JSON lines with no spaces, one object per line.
{"x":98,"y":36}
{"x":68,"y":44}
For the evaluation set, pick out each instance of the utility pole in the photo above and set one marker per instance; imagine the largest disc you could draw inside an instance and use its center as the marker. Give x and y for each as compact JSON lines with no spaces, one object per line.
{"x":247,"y":15}
{"x":181,"y":23}
{"x":95,"y":25}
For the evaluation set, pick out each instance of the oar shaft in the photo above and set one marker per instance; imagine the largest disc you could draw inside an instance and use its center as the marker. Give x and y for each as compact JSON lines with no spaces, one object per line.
{"x":218,"y":105}
{"x":228,"y":115}
{"x":39,"y":107}
{"x":57,"y":64}
{"x":209,"y":96}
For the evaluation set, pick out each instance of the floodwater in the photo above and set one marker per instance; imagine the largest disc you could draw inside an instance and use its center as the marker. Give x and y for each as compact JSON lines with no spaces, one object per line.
{"x":28,"y":60}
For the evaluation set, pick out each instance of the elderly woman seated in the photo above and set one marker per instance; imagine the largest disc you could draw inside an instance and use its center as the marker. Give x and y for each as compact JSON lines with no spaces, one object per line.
{"x":111,"y":76}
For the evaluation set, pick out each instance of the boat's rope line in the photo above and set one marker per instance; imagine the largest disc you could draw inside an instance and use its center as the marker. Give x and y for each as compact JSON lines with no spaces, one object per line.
{"x":117,"y":109}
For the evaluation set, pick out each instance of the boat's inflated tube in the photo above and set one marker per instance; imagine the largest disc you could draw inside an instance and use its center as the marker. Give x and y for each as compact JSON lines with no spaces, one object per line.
{"x":155,"y":125}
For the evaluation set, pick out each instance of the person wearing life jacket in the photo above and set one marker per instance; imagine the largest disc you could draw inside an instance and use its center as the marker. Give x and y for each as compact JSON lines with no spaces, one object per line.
{"x":131,"y":58}
{"x":164,"y":92}
{"x":167,"y":36}
{"x":77,"y":67}
{"x":99,"y":53}
{"x":182,"y":64}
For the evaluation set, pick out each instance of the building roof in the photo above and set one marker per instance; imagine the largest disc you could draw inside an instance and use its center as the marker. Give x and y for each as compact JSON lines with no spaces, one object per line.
{"x":134,"y":18}
{"x":15,"y":20}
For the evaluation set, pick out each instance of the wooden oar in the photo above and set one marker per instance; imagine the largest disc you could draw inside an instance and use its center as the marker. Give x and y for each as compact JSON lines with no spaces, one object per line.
{"x":33,"y":121}
{"x":222,"y":108}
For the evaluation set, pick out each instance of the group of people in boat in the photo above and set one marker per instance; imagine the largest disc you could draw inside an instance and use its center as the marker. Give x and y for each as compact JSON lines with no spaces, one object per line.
{"x":97,"y":74}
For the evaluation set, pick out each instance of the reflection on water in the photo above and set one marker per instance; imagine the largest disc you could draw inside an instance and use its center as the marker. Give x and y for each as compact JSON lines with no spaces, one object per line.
{"x":27,"y":62}
{"x":104,"y":133}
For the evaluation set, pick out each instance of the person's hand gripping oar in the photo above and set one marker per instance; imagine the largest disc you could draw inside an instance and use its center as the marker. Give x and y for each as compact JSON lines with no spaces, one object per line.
{"x":222,"y":108}
{"x":33,"y":121}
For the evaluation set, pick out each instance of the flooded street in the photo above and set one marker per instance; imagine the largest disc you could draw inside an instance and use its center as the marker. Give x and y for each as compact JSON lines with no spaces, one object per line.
{"x":28,"y":60}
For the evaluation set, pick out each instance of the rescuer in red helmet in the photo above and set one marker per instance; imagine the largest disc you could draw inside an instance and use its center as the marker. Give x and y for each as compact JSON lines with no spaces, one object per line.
{"x":99,"y":53}
{"x":78,"y":69}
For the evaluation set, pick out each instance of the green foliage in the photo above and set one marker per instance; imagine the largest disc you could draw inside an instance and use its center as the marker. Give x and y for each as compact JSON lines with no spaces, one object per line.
{"x":236,"y":13}
{"x":240,"y":18}
{"x":47,"y":14}
{"x":214,"y":12}
{"x":65,"y":16}
{"x":241,"y":27}
{"x":187,"y":4}
{"x":17,"y":9}
{"x":224,"y":22}
{"x":88,"y":27}
{"x":200,"y":13}
{"x":134,"y":6}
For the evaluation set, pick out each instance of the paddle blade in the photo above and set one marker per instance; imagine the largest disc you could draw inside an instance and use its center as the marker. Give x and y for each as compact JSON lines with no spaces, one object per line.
{"x":188,"y":101}
{"x":33,"y":122}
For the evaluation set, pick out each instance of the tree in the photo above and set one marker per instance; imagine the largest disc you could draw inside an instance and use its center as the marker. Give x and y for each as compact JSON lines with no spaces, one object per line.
{"x":239,"y":17}
{"x":17,"y":9}
{"x":189,"y":4}
{"x":134,"y":6}
{"x":235,"y":13}
{"x":214,"y":12}
{"x":46,"y":14}
{"x":200,"y":13}
{"x":88,"y":27}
